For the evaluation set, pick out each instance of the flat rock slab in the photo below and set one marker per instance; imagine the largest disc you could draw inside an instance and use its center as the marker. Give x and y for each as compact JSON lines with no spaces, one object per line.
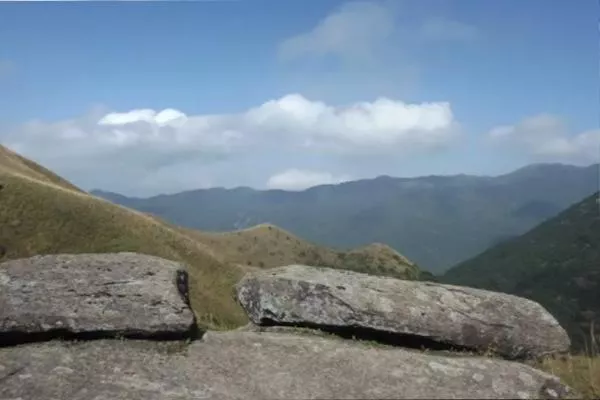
{"x":250,"y":365}
{"x":480,"y":320}
{"x":91,"y":294}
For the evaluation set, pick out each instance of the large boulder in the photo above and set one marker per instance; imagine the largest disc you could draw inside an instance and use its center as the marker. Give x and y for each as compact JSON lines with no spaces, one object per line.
{"x":248,"y":365}
{"x":407,"y":311}
{"x":92,"y":295}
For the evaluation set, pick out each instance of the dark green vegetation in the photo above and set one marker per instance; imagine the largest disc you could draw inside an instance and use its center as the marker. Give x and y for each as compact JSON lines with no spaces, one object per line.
{"x":556,"y":264}
{"x":436,"y":221}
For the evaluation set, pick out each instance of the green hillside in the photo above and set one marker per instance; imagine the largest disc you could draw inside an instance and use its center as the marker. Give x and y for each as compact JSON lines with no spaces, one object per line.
{"x":557,"y":264}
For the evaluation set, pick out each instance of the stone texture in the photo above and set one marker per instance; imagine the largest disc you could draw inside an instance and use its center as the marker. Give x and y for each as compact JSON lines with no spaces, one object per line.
{"x":250,"y":365}
{"x":481,"y":320}
{"x":94,"y":294}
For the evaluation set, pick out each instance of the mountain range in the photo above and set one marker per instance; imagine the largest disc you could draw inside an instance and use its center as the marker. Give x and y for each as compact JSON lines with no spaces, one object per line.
{"x":42,"y":213}
{"x":435,"y":221}
{"x":556,"y":263}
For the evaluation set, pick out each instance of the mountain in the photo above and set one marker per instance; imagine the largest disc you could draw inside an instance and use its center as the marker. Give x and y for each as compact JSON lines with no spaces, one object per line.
{"x":436,"y":221}
{"x":556,"y":264}
{"x":41,"y":213}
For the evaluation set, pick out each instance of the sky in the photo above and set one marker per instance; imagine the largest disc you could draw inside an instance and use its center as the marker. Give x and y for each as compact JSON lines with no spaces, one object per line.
{"x":143,"y":98}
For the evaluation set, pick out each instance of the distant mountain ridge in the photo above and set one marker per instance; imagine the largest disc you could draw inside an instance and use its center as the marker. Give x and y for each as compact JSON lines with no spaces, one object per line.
{"x":436,"y":221}
{"x":556,"y":264}
{"x":41,"y":213}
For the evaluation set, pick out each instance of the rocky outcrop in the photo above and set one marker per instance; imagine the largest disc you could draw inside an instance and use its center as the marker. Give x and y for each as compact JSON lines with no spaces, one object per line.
{"x":401,"y":311}
{"x":91,"y":296}
{"x":100,"y":298}
{"x":248,"y":365}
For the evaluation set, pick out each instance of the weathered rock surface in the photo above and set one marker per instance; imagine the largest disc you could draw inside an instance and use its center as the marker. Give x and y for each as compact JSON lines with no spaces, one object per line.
{"x":513,"y":327}
{"x":248,"y":365}
{"x":92,"y":294}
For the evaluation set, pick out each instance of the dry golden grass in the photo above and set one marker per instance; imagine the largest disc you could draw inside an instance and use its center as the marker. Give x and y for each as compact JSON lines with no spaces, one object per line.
{"x":267,"y":246}
{"x":40,"y":213}
{"x":581,"y":371}
{"x":13,"y":163}
{"x":43,"y":214}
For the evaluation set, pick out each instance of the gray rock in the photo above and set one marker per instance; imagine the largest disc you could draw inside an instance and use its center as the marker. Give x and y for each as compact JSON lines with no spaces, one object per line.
{"x":249,"y":365}
{"x":475,"y":319}
{"x":91,"y":294}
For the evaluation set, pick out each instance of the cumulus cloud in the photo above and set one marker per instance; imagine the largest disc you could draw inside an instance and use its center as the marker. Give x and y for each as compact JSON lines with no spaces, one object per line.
{"x":365,"y":127}
{"x":355,"y":128}
{"x":163,"y":118}
{"x":546,"y":137}
{"x":298,"y":179}
{"x":133,"y":132}
{"x":444,"y":29}
{"x":350,"y":31}
{"x":127,"y":149}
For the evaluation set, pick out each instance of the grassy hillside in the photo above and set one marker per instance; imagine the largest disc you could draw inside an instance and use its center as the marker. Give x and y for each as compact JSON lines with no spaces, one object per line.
{"x":267,"y":246}
{"x":557,"y":264}
{"x":40,"y":213}
{"x":436,"y":221}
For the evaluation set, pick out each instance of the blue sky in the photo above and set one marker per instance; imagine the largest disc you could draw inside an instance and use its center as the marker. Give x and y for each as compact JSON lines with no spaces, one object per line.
{"x":285,"y":93}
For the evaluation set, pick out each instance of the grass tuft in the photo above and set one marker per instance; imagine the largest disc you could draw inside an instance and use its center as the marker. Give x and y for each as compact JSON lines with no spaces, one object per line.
{"x":580,"y":371}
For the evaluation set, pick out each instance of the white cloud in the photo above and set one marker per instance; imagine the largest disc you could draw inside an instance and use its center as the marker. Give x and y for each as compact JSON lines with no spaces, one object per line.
{"x":545,"y":137}
{"x":379,"y":126}
{"x":297,"y":179}
{"x":136,"y":150}
{"x":163,"y":118}
{"x":351,"y":31}
{"x":444,"y":29}
{"x":365,"y":127}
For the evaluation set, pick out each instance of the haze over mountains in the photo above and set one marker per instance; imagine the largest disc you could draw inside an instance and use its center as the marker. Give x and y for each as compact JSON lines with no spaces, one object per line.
{"x":435,"y":221}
